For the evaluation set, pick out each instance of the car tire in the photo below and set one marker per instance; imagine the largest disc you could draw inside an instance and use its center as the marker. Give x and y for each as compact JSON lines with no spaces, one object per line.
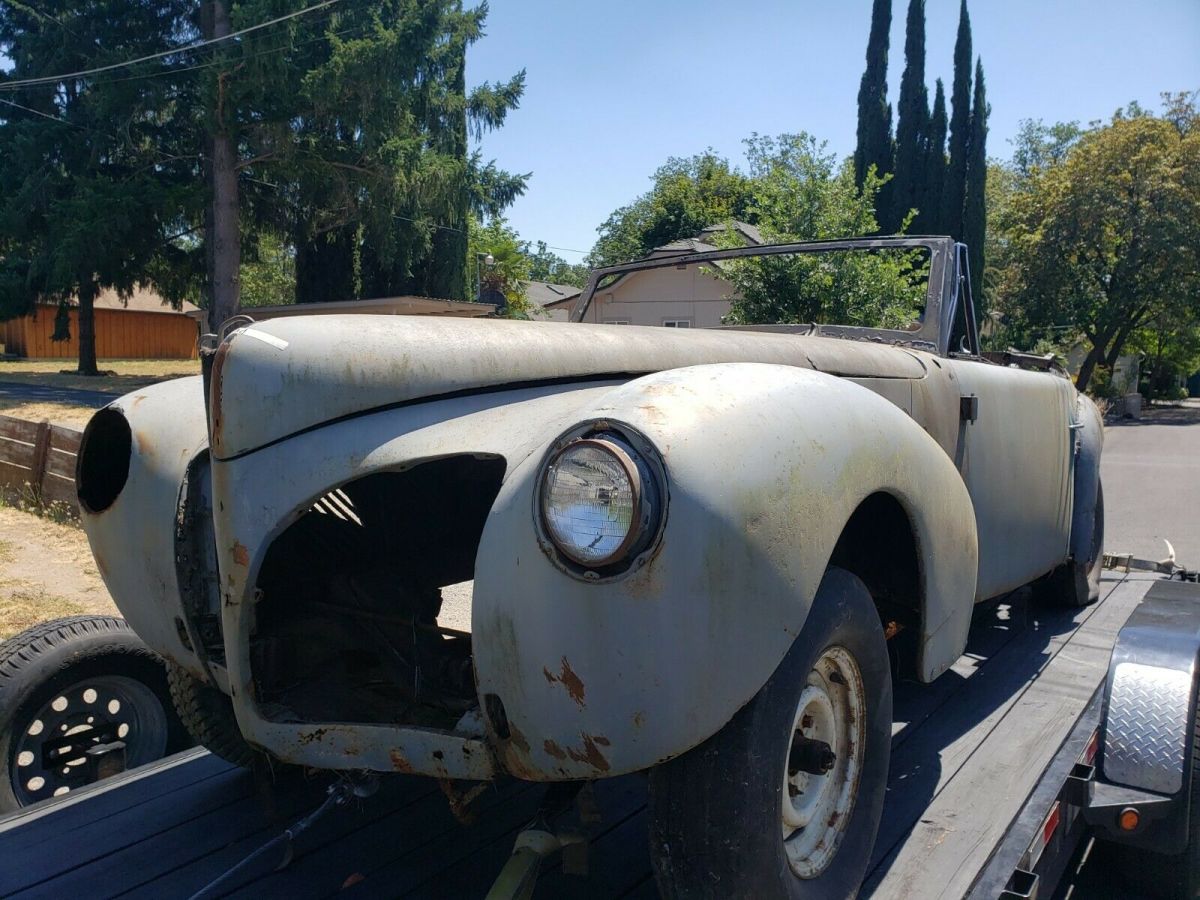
{"x":718,"y":814}
{"x":207,"y":714}
{"x":1077,"y":583}
{"x":71,"y":684}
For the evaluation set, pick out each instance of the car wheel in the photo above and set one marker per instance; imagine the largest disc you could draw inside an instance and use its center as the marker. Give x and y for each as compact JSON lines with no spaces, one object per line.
{"x":786,"y":799}
{"x":72,"y":684}
{"x":1077,"y":583}
{"x":207,"y":715}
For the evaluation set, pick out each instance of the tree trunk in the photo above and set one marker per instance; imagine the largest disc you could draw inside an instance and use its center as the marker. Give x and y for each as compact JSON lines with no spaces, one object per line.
{"x":1089,"y":366}
{"x":87,"y":327}
{"x":224,"y":260}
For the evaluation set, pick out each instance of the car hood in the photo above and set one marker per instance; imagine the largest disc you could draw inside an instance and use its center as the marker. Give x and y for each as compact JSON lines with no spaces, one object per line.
{"x":276,"y":378}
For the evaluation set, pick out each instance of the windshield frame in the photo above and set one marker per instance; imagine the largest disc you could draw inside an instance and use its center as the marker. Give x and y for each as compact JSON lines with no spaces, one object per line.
{"x":932,"y":334}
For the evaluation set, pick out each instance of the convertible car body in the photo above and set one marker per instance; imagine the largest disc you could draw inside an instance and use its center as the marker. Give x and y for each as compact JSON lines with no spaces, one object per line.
{"x":281,"y":529}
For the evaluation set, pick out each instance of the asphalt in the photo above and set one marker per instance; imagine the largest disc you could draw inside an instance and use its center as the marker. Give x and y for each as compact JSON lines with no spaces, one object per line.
{"x":36,"y":393}
{"x":1151,"y":475}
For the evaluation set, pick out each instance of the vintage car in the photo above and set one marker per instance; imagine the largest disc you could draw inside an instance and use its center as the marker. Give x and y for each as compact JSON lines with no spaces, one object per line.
{"x":705,"y":554}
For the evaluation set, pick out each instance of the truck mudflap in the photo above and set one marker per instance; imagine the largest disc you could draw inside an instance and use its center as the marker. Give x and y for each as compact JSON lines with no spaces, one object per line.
{"x":1145,"y":771}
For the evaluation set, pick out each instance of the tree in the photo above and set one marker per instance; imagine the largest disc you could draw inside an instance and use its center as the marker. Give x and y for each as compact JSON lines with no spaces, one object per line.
{"x":800,"y":193}
{"x":912,"y":123}
{"x":688,"y":195}
{"x":97,"y":179}
{"x":1039,"y":146}
{"x":500,"y":281}
{"x":1108,"y":240}
{"x":955,"y":191}
{"x":874,"y":147}
{"x":929,"y":218}
{"x":545,"y":265}
{"x":268,"y":272}
{"x":975,"y":202}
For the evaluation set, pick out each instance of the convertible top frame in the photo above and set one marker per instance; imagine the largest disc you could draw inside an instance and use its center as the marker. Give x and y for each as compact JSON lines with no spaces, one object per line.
{"x":948,"y":277}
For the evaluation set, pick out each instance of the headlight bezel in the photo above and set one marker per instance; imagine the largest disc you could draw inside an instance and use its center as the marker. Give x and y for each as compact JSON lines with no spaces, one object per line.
{"x":644,"y":469}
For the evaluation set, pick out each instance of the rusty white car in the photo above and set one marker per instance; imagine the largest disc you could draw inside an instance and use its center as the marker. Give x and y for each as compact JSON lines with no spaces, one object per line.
{"x":705,"y":554}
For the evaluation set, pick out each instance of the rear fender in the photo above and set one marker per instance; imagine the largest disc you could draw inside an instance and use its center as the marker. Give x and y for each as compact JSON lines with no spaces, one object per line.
{"x":765,"y":464}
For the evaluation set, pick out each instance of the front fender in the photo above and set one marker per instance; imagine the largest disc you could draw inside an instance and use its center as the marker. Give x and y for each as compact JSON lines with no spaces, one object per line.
{"x":765,"y":464}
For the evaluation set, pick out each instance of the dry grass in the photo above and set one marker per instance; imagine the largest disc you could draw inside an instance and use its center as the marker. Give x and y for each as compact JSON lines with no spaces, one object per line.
{"x":46,"y":571}
{"x":69,"y":415}
{"x":122,"y":375}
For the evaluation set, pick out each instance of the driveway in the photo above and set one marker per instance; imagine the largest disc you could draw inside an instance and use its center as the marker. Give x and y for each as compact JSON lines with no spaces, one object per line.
{"x":15,"y":392}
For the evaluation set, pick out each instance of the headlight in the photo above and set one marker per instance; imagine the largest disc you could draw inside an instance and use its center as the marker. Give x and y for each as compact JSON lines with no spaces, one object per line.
{"x":599,"y":501}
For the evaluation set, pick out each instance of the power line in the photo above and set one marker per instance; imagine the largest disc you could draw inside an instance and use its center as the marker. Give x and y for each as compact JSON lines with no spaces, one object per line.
{"x":67,"y":76}
{"x":38,"y":112}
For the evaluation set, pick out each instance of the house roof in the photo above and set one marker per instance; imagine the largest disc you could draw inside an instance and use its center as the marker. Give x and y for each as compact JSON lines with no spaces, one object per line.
{"x":750,"y":233}
{"x":543,"y":293}
{"x":141,"y":300}
{"x":683,"y":245}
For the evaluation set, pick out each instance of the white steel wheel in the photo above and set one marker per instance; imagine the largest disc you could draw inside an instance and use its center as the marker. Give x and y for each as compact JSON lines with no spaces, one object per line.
{"x":820,"y":780}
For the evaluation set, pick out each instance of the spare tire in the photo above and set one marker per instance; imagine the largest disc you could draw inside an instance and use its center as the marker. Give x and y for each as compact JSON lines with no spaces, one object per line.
{"x":72,"y":684}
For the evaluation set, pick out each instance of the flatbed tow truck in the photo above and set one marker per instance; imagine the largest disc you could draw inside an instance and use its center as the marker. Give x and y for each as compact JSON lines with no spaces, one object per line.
{"x":1057,"y":729}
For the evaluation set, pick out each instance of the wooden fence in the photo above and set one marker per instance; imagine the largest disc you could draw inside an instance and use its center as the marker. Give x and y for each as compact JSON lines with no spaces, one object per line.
{"x":41,"y":456}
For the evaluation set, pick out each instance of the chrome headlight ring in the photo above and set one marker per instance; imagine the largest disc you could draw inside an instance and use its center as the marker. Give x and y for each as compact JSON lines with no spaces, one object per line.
{"x":601,"y":499}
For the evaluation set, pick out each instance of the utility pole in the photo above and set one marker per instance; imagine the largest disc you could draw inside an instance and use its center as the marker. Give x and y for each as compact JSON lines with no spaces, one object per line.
{"x":222,"y":235}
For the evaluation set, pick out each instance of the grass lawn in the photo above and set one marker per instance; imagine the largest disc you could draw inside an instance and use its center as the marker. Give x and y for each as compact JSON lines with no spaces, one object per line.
{"x":121,"y":375}
{"x":68,"y":415}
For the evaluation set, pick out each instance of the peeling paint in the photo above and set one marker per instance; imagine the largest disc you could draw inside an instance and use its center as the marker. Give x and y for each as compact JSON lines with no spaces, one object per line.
{"x":241,"y":555}
{"x":569,"y":680}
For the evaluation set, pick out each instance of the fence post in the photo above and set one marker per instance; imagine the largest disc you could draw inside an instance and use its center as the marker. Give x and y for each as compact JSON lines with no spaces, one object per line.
{"x":41,"y":452}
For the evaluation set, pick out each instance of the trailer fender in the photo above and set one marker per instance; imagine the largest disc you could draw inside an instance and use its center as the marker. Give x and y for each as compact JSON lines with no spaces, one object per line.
{"x":585,"y":676}
{"x":1090,"y":442}
{"x":1149,"y":721}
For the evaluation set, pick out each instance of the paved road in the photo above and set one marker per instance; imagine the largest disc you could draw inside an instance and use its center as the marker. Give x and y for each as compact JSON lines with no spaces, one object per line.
{"x":35,"y":393}
{"x":1151,"y":471}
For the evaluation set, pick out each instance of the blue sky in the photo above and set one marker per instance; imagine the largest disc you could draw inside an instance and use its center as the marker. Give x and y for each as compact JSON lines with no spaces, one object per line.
{"x":615,"y":87}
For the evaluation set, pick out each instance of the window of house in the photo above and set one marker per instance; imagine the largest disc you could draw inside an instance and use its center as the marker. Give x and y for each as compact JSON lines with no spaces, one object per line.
{"x":677,"y":323}
{"x":616,"y":322}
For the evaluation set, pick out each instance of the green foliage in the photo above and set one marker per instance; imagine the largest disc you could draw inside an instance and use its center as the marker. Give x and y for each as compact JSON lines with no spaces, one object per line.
{"x":1107,"y":240}
{"x":975,"y":204}
{"x":799,"y":193}
{"x":688,"y":195}
{"x":955,"y":191}
{"x":268,"y":273}
{"x":502,"y":280}
{"x":912,"y":122}
{"x":545,"y":265}
{"x":98,"y":174}
{"x":874,"y":146}
{"x":1038,"y":146}
{"x":929,"y":204}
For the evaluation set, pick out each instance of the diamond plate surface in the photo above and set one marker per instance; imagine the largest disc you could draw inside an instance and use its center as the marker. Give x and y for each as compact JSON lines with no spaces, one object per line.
{"x":1146,"y":731}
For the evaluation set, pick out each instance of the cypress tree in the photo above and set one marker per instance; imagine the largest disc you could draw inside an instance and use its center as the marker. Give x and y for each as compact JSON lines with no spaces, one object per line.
{"x":960,"y":127}
{"x":930,"y":221}
{"x":974,"y":207}
{"x":874,"y":146}
{"x":913,"y":119}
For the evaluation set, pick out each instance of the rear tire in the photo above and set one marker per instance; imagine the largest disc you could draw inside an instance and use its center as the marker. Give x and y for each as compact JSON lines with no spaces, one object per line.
{"x":71,"y":684}
{"x":722,"y":823}
{"x":207,"y":714}
{"x":1077,"y":583}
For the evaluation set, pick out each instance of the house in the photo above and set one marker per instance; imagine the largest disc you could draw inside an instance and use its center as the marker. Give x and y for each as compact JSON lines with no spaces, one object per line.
{"x":142,"y":328}
{"x":674,"y":297}
{"x":550,"y":301}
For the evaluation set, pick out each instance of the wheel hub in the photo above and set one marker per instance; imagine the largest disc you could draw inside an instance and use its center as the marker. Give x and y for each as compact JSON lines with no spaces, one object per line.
{"x":51,"y":752}
{"x":824,"y":762}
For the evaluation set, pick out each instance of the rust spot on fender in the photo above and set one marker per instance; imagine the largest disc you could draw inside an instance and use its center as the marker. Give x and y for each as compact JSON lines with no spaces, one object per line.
{"x":400,"y":762}
{"x":241,"y":555}
{"x":591,"y":752}
{"x":552,"y":749}
{"x":314,"y":735}
{"x":569,"y":680}
{"x":639,"y":719}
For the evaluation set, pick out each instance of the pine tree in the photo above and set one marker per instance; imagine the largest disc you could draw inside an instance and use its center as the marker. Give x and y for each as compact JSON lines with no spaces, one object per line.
{"x":960,"y":128}
{"x":974,"y":207}
{"x":874,"y":146}
{"x":913,"y":119}
{"x":930,"y":221}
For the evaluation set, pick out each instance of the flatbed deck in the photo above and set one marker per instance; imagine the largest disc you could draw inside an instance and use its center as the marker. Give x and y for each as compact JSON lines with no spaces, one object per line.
{"x":967,"y":752}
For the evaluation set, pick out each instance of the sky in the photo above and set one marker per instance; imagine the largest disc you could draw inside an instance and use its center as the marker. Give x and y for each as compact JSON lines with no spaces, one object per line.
{"x":614,"y":88}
